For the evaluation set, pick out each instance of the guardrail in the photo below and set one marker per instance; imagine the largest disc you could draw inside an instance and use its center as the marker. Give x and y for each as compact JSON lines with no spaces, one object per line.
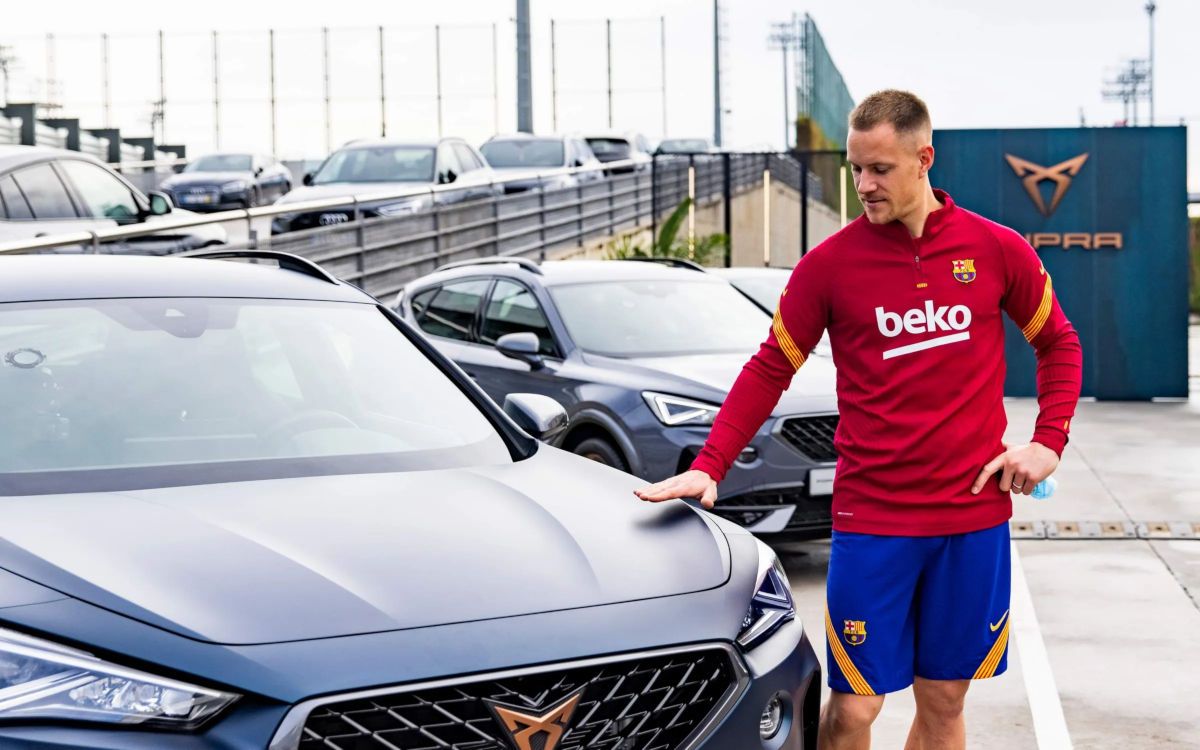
{"x":381,"y":254}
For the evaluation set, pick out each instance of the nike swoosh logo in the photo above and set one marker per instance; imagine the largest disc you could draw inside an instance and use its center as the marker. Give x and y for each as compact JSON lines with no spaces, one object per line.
{"x":998,"y":622}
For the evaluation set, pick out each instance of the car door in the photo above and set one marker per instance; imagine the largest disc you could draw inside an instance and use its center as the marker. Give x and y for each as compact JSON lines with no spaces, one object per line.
{"x":36,"y":203}
{"x":448,"y":172}
{"x":447,"y":314}
{"x":512,"y":307}
{"x":103,"y":196}
{"x":477,"y":178}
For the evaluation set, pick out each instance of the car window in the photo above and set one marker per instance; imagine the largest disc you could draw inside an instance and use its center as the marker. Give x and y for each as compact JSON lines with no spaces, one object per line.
{"x":524,"y":152}
{"x":104,"y":196}
{"x":14,"y":201}
{"x":466,"y":158}
{"x":377,"y":164}
{"x":47,"y":196}
{"x":162,"y":390}
{"x":452,"y":310}
{"x":512,"y":308}
{"x":421,"y":300}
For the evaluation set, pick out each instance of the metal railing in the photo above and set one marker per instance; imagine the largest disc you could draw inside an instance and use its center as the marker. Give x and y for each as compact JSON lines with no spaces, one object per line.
{"x":380,"y":254}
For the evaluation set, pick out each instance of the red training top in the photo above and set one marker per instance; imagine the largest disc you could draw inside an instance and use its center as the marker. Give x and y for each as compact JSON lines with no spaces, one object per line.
{"x":918,"y":342}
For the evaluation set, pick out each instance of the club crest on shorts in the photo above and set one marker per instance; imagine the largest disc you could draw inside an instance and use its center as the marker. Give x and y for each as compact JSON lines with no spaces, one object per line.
{"x":964,"y":270}
{"x":855,"y":631}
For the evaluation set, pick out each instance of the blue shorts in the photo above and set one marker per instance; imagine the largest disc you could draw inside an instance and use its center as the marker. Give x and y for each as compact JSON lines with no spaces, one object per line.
{"x":934,"y":607}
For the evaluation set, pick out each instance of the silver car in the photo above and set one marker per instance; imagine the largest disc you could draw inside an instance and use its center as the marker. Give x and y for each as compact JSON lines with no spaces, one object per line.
{"x":48,"y":191}
{"x":526,"y":162}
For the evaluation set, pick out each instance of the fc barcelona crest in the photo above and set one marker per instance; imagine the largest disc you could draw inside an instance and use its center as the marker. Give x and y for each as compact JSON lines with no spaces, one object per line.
{"x":855,"y":631}
{"x":964,"y":270}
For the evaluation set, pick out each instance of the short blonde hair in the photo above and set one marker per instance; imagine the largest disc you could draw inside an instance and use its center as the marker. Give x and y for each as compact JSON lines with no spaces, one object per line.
{"x":903,"y":110}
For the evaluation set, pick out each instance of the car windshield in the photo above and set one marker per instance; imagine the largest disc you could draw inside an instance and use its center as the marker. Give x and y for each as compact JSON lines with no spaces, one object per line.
{"x":128,"y":393}
{"x":220,"y":163}
{"x":541,"y":152}
{"x":683,"y":146}
{"x":378,"y":164}
{"x":765,"y":288}
{"x":690,"y":317}
{"x":610,"y":148}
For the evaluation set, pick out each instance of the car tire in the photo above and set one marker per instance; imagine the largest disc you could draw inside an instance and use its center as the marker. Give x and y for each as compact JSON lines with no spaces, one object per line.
{"x":601,"y":451}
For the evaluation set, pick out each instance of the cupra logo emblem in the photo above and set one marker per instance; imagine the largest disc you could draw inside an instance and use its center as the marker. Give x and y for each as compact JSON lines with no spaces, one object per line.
{"x":524,"y":729}
{"x":1032,"y":174}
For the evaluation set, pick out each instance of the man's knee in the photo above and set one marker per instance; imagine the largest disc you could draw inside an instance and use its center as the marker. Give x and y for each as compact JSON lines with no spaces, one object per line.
{"x":847,"y":713}
{"x":940,"y":700}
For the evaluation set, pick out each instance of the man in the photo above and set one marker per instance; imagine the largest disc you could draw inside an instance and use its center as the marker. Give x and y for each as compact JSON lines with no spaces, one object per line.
{"x":911,"y":294}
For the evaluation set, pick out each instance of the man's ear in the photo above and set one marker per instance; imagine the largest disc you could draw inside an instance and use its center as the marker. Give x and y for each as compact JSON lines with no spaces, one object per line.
{"x":925,"y":154}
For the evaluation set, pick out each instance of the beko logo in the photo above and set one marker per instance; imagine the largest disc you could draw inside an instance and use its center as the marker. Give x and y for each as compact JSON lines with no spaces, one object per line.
{"x":929,"y":319}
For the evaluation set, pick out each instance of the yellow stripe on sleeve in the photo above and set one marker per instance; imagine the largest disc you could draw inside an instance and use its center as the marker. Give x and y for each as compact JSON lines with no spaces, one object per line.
{"x":790,"y":350}
{"x":1043,"y":313}
{"x":853,"y":676}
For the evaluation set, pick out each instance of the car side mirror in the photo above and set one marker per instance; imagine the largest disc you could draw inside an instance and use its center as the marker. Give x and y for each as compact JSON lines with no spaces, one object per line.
{"x":258,"y":171}
{"x":447,"y":177}
{"x":521,"y":346}
{"x":160,"y":203}
{"x":308,"y":178}
{"x":540,"y":416}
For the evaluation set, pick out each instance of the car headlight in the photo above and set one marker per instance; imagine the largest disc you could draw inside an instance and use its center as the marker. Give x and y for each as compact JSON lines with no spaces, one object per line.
{"x":40,"y":680}
{"x":674,"y":410}
{"x":399,"y":208}
{"x":237,"y":186}
{"x":772,"y":603}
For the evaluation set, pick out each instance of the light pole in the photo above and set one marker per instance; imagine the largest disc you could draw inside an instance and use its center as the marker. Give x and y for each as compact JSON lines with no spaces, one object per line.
{"x":1150,"y":8}
{"x":783,"y":37}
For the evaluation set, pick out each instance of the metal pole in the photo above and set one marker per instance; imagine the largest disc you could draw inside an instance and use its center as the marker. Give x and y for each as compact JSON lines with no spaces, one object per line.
{"x":382,"y":89}
{"x":328,"y":109}
{"x":766,"y":217}
{"x":1150,"y":7}
{"x":216,"y":93}
{"x":691,"y":207}
{"x":803,"y":204}
{"x":495,"y":81}
{"x":662,"y":47}
{"x":274,"y":108}
{"x":727,"y":189}
{"x":553,"y":79}
{"x":786,"y":122}
{"x":48,"y":94}
{"x":524,"y":73}
{"x":437,"y":52}
{"x":162,"y":90}
{"x":608,"y":38}
{"x":717,"y":73}
{"x":107,"y":88}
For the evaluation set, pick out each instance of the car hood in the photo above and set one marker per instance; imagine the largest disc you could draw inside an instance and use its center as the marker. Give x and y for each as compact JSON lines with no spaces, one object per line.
{"x":205,"y":178}
{"x":346,"y":189}
{"x":697,"y":376}
{"x":317,"y":557}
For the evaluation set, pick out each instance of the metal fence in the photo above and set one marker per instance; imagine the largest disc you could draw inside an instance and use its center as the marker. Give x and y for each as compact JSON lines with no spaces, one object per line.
{"x":381,"y":254}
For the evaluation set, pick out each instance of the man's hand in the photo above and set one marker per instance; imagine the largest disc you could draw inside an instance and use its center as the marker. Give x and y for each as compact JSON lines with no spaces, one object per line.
{"x":1022,"y":467}
{"x":693,"y":483}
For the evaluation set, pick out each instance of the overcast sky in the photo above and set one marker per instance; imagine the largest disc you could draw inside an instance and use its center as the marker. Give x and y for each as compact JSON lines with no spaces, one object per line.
{"x":1021,"y":63}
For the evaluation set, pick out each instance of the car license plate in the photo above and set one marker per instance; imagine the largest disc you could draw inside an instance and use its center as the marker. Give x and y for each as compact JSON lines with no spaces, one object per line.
{"x":820,"y":481}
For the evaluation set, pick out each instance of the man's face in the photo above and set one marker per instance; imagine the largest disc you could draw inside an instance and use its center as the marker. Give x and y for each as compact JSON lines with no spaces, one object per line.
{"x":889,"y":170}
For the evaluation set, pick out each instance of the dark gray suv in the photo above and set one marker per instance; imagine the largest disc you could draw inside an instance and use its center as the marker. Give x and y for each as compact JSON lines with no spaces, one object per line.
{"x":641,"y":355}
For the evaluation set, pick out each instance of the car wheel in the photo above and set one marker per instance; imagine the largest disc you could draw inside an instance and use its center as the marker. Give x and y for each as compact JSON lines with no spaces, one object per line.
{"x":601,"y":451}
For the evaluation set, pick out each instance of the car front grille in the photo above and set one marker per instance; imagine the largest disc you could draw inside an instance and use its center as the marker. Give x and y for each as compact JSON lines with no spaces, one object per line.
{"x":644,"y":702}
{"x":810,"y":513}
{"x":812,"y":436}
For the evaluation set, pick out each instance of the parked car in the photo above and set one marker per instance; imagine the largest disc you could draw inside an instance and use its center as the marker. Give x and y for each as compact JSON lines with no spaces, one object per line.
{"x":610,"y":147}
{"x":641,"y":355}
{"x":47,"y":191}
{"x":764,"y":287}
{"x":683,"y":146}
{"x":248,"y":507}
{"x":524,"y":156}
{"x":380,"y":166}
{"x":219,"y":182}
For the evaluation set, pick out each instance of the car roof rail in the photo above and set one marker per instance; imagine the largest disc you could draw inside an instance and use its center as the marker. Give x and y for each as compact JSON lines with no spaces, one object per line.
{"x":691,"y":265}
{"x":526,"y":263}
{"x":286,"y":261}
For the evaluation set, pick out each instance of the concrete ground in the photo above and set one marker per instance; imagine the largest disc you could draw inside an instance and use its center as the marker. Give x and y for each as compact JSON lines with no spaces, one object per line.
{"x":1111,"y":629}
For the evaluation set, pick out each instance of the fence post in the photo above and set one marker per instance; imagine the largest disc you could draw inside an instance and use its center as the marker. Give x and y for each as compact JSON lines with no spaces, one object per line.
{"x":359,"y":239}
{"x":727,"y":188}
{"x":653,"y":198}
{"x":803,"y":203}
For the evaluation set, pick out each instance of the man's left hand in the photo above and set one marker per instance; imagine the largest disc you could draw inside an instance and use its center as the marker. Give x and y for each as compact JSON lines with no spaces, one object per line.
{"x":1021,"y":467}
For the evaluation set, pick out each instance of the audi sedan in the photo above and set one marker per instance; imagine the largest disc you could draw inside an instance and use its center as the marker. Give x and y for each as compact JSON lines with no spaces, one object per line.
{"x":379,"y":170}
{"x":246,"y":506}
{"x":641,"y":355}
{"x":219,"y":182}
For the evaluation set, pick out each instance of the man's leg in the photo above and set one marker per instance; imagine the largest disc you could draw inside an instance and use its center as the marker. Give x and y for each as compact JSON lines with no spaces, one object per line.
{"x":939,"y":723}
{"x":846,"y":721}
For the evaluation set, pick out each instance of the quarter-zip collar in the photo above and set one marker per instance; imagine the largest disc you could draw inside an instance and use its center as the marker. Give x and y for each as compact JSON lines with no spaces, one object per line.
{"x":934,"y":222}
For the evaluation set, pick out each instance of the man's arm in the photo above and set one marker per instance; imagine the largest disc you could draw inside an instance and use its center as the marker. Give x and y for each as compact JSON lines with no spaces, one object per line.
{"x":1030,"y":301}
{"x":799,"y":321}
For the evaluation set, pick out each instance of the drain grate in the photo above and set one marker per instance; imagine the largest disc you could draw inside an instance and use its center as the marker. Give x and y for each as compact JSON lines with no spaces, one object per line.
{"x":1105,"y":529}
